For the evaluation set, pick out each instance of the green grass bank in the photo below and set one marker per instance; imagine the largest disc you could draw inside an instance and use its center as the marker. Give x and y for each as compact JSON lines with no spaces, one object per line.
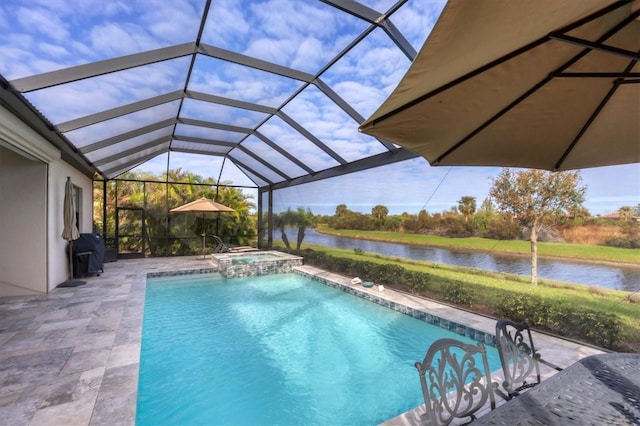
{"x":560,"y":250}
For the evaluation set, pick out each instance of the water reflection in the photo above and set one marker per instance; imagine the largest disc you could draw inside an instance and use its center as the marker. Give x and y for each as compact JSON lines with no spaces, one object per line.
{"x":609,"y":276}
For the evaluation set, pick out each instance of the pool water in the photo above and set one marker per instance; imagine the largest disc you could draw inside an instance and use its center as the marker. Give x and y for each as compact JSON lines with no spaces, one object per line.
{"x":250,"y":258}
{"x":276,"y":349}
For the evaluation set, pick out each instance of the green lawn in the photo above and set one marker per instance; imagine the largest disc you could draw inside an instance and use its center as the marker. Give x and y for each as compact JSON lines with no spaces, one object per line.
{"x":574,"y":251}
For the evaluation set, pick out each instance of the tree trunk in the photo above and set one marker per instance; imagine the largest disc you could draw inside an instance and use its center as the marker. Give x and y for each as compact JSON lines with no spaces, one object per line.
{"x":300,"y":237}
{"x":285,"y":239}
{"x":534,"y":255}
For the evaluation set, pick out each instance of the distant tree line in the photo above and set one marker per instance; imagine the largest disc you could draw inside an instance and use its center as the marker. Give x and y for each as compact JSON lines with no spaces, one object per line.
{"x":510,"y":219}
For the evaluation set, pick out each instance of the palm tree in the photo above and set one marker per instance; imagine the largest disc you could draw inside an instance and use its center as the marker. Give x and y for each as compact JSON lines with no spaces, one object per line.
{"x":626,"y":213}
{"x":467,"y":206}
{"x":303,"y":218}
{"x":281,"y":221}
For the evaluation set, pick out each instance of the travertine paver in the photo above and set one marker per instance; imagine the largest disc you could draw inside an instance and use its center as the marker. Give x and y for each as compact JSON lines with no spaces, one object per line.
{"x":71,"y":357}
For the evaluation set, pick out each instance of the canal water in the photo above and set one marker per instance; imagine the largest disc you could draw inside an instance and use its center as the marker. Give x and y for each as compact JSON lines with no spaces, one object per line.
{"x":603,"y":275}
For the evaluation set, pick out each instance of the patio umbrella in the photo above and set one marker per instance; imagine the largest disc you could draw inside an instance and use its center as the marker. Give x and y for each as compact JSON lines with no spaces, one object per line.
{"x":202,"y":205}
{"x":70,"y":231}
{"x":540,"y":84}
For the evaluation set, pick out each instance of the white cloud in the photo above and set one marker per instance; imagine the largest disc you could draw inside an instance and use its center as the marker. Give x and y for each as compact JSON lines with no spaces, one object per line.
{"x":113,"y":40}
{"x":173,"y":22}
{"x":227,"y":24}
{"x":292,"y":142}
{"x":54,"y":50}
{"x":416,"y":19}
{"x":277,"y":51}
{"x":43,"y":22}
{"x":308,"y":54}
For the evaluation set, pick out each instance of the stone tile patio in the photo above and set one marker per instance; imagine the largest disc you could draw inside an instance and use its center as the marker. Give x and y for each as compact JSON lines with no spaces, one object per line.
{"x":71,"y":357}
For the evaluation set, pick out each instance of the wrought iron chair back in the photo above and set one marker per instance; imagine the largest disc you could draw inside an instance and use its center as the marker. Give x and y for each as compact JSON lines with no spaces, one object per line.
{"x":456,"y":381}
{"x":518,"y":357}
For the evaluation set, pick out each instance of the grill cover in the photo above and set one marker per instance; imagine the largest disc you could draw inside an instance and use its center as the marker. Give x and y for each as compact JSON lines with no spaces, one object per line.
{"x":90,"y":243}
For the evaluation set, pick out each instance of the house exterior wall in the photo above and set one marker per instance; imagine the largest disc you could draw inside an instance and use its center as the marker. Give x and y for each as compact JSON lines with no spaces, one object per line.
{"x":33,"y":255}
{"x":58,"y":249}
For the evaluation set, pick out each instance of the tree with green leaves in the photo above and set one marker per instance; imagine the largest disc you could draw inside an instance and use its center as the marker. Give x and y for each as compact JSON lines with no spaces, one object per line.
{"x":534,"y":198}
{"x":487,"y":205}
{"x":626,"y":213}
{"x":379,"y":214}
{"x":467,"y":206}
{"x":341,"y":210}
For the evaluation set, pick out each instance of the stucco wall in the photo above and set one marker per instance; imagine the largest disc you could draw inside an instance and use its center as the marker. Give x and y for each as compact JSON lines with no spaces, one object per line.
{"x":58,"y":258}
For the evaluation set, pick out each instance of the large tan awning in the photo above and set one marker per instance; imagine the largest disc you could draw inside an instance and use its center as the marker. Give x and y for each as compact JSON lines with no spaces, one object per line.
{"x":541,"y":84}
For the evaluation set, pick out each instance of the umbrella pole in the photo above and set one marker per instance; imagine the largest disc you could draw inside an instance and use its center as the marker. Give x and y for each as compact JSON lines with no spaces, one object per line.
{"x":203,"y":238}
{"x":70,"y":244}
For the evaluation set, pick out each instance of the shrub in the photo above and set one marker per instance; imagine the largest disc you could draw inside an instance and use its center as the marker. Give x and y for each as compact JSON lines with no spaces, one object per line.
{"x":416,"y":281}
{"x":456,"y":292}
{"x":602,"y":329}
{"x":358,"y":251}
{"x":628,"y":238}
{"x":502,"y":230}
{"x":364,"y":269}
{"x":390,"y":274}
{"x":576,"y":322}
{"x":344,"y":265}
{"x":633,"y":298}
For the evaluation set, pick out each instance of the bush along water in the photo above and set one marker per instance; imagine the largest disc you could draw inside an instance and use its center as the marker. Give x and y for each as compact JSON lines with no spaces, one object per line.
{"x":600,"y":328}
{"x":595,"y":327}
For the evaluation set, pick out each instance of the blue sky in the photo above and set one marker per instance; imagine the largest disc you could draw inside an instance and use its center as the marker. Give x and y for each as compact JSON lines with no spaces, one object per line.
{"x":414,"y":185}
{"x":43,"y":35}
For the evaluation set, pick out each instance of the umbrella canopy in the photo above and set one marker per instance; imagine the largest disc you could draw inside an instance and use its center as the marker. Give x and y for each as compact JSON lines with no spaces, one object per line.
{"x":70,"y":231}
{"x":202,"y":205}
{"x":541,"y":84}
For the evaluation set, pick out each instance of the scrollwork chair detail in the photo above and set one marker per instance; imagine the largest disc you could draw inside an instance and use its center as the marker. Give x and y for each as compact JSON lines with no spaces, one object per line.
{"x":456,"y":381}
{"x":518,"y":356}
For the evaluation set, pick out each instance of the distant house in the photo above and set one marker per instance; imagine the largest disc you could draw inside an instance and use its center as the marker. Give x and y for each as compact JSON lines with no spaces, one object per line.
{"x":617,"y":216}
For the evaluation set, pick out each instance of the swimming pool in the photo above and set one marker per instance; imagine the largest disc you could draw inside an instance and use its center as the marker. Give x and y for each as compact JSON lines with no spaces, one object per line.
{"x":276,"y":349}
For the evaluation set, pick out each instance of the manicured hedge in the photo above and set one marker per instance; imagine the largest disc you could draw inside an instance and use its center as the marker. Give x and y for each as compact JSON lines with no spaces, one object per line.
{"x":600,"y":328}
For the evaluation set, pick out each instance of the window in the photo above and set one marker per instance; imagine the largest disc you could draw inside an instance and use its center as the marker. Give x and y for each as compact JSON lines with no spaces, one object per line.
{"x":77,"y":202}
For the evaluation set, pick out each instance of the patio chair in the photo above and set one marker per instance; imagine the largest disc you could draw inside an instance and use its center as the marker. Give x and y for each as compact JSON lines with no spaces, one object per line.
{"x":456,"y":381}
{"x":221,"y":247}
{"x":518,"y":356}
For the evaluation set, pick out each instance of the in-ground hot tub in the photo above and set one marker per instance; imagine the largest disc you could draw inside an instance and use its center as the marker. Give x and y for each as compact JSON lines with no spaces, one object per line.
{"x":250,"y":264}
